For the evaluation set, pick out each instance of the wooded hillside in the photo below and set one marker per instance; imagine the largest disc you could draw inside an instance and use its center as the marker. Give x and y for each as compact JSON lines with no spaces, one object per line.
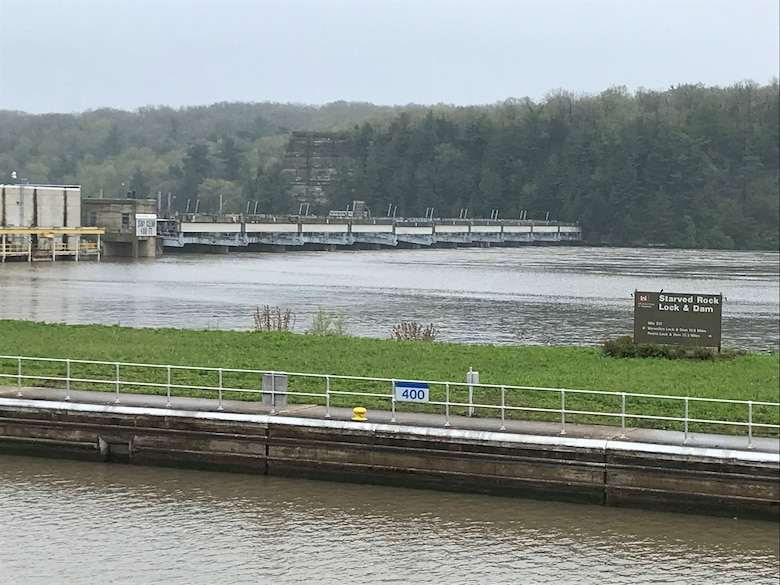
{"x":692,"y":166}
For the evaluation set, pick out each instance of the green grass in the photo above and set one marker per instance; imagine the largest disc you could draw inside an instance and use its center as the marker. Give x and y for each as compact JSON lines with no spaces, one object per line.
{"x":749,"y":377}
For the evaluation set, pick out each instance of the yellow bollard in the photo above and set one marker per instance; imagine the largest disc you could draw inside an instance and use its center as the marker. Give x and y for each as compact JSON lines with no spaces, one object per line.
{"x":360,"y":413}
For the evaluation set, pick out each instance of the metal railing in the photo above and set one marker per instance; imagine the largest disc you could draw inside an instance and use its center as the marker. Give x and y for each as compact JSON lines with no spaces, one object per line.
{"x":445,"y":398}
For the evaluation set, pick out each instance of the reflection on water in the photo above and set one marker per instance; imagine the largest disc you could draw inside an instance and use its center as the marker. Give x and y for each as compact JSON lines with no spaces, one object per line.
{"x":87,"y":523}
{"x":534,"y":295}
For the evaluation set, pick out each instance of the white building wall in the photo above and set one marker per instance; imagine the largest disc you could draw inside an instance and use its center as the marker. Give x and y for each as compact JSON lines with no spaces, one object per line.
{"x":452,"y":229}
{"x":485,"y":229}
{"x":321,"y":228}
{"x":359,"y":228}
{"x":414,"y":231}
{"x":517,"y":229}
{"x":18,"y":207}
{"x":205,"y":227}
{"x":264,"y":228}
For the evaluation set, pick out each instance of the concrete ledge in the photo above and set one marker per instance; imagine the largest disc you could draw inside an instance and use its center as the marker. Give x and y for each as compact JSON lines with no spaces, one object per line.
{"x":596,"y":471}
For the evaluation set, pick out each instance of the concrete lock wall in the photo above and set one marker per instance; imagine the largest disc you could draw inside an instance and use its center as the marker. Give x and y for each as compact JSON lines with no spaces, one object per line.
{"x":603,"y":472}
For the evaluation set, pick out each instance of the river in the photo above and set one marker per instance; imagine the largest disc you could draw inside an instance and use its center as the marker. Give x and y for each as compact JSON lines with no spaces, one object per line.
{"x":530,"y":295}
{"x":91,"y":523}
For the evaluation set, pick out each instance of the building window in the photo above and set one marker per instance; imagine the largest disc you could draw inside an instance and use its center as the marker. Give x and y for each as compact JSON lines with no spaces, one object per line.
{"x":92,"y":222}
{"x":125,"y":220}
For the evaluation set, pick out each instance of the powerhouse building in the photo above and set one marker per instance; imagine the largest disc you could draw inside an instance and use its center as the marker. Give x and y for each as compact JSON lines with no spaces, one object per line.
{"x":43,"y":222}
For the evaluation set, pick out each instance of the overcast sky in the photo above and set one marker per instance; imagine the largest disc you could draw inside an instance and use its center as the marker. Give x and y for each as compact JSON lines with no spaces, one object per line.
{"x":74,"y":55}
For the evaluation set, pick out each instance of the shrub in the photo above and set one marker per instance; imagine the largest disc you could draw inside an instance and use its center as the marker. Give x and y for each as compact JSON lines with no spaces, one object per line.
{"x":621,"y":347}
{"x":624,"y":347}
{"x":325,"y":323}
{"x":273,"y":319}
{"x":413,"y":332}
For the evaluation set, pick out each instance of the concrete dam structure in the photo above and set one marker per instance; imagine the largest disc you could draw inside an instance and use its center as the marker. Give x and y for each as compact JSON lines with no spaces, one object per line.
{"x":222,"y":233}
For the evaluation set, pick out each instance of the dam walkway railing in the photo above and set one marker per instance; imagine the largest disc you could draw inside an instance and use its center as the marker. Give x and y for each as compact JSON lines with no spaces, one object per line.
{"x":248,"y":231}
{"x":274,"y":389}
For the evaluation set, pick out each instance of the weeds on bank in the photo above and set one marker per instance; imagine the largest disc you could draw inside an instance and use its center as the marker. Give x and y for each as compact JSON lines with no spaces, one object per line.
{"x":273,"y":319}
{"x":328,"y":324}
{"x":413,"y":332}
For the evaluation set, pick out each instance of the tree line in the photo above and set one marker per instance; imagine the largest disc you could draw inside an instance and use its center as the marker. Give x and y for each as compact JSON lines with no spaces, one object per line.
{"x":691,"y":166}
{"x":235,"y":150}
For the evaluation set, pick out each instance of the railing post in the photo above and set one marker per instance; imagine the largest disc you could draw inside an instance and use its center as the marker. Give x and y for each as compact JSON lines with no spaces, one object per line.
{"x":220,"y":390}
{"x":168,"y":385}
{"x":392,"y":405}
{"x":447,"y":404}
{"x":67,"y":379}
{"x":19,"y":376}
{"x":273,"y":393}
{"x":750,"y":424}
{"x":116,"y":380}
{"x":685,"y":439}
{"x":503,"y":408}
{"x":622,"y":415}
{"x":327,"y":396}
{"x":471,"y":400}
{"x":563,"y":411}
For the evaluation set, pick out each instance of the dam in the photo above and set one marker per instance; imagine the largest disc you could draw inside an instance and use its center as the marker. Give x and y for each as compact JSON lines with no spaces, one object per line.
{"x":280,"y":233}
{"x":47,"y":222}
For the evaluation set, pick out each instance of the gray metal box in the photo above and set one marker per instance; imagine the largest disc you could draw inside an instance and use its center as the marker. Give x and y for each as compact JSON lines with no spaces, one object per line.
{"x":275,"y":390}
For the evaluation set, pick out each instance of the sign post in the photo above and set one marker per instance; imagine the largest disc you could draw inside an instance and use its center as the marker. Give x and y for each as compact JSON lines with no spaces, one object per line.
{"x":677,"y":318}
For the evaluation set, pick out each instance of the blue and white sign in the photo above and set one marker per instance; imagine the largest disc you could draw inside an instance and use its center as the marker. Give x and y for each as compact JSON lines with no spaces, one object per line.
{"x":411,"y":392}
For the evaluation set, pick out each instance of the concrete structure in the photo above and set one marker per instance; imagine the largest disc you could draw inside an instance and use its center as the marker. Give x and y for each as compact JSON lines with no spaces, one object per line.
{"x":43,"y":222}
{"x":589,"y":465}
{"x":312,"y":161}
{"x":130,"y":225}
{"x":223,"y":233}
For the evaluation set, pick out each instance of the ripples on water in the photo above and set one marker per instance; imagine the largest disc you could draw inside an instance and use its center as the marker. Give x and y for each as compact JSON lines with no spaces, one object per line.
{"x":533,"y":295}
{"x":90,"y":523}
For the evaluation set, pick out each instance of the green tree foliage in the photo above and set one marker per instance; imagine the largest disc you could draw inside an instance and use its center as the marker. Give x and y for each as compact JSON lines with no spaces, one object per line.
{"x":174,"y":150}
{"x":230,"y":159}
{"x":219,"y":196}
{"x":692,"y":166}
{"x":196,"y":166}
{"x":688,"y":167}
{"x":139,"y":185}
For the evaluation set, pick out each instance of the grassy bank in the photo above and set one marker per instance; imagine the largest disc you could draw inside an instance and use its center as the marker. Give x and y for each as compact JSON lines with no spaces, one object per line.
{"x":750,"y":377}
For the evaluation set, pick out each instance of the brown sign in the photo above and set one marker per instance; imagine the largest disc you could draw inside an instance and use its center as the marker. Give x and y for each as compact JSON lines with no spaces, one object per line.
{"x":677,"y":319}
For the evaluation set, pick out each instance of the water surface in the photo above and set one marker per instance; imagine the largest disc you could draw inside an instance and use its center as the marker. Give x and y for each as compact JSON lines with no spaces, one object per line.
{"x":532,"y":295}
{"x":92,"y":523}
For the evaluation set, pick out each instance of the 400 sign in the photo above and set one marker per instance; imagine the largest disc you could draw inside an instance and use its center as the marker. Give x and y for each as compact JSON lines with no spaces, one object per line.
{"x":411,"y":392}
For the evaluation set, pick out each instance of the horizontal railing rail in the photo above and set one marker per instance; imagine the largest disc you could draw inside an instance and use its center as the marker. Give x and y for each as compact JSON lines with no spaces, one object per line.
{"x":442,"y":397}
